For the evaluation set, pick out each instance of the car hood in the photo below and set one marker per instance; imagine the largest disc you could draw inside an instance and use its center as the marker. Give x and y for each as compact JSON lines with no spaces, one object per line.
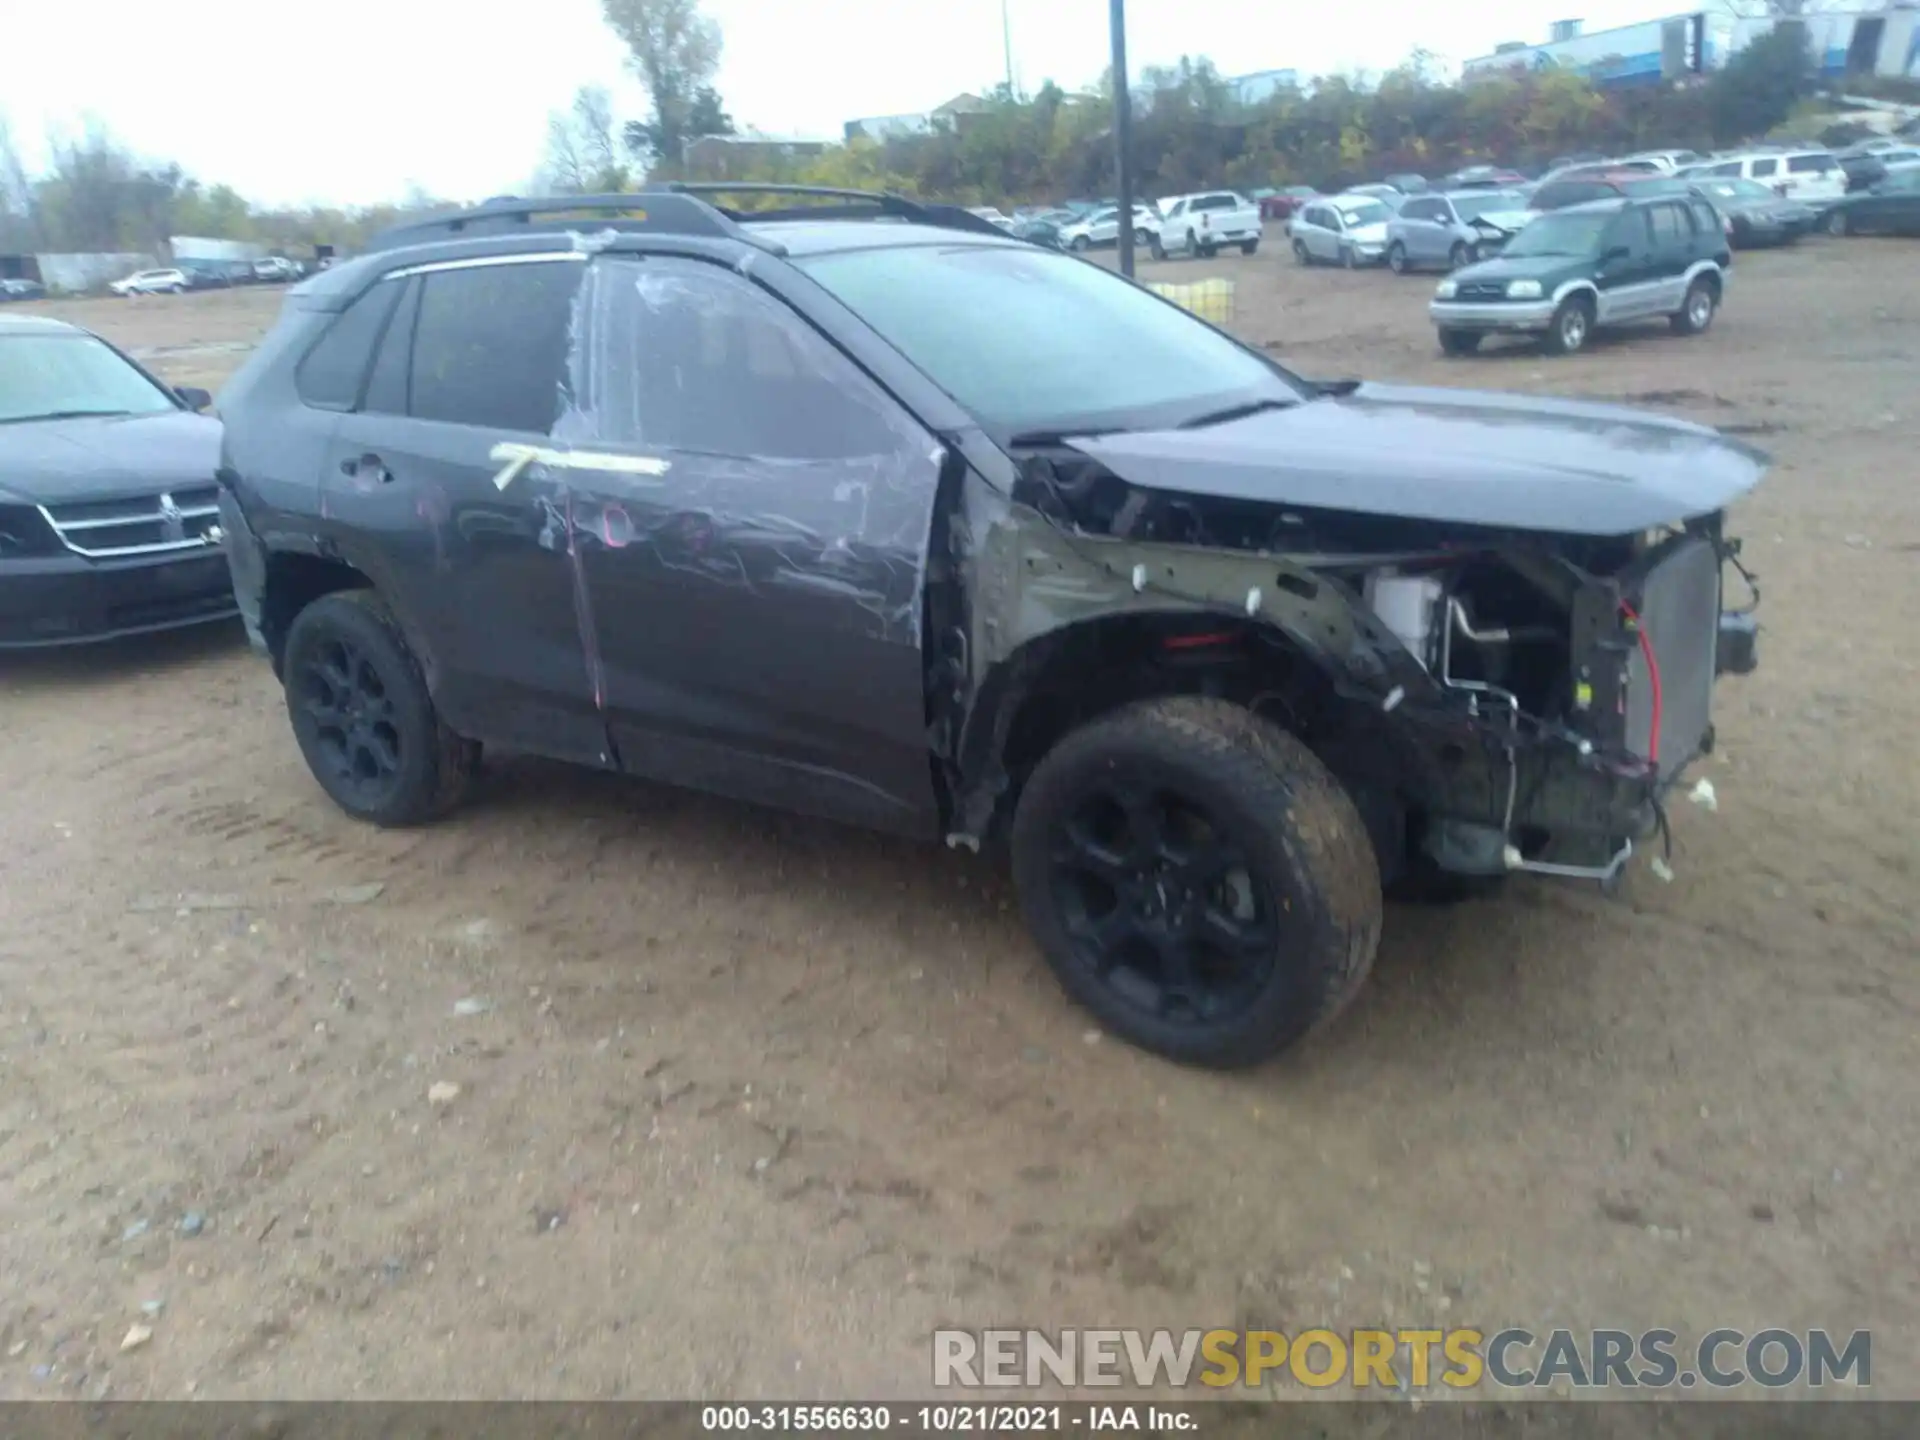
{"x":50,"y":462}
{"x":1505,"y":220}
{"x":1506,"y":266}
{"x":1466,"y":457}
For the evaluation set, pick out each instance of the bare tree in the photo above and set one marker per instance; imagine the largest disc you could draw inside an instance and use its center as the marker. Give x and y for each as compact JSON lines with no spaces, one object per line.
{"x":674,"y":50}
{"x":582,"y":149}
{"x":16,"y":194}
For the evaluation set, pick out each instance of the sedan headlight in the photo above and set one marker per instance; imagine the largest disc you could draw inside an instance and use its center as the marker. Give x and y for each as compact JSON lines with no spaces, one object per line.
{"x":1523,"y":290}
{"x":1446,"y":290}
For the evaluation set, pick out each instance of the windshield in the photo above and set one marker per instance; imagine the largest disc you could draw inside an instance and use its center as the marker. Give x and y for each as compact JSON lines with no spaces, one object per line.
{"x":1365,"y":212}
{"x":1560,"y":234}
{"x":1494,"y":202}
{"x":1029,"y":340}
{"x":45,"y":375}
{"x":1738,"y":190}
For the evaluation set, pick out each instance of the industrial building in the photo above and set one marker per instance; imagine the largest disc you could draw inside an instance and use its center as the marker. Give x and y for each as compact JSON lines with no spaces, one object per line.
{"x":1884,"y":42}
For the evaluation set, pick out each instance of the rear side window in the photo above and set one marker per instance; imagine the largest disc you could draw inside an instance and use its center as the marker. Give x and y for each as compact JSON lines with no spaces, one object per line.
{"x":329,"y":377}
{"x":1669,"y":224}
{"x":1214,"y":202}
{"x":490,"y":345}
{"x":1812,"y":164}
{"x":1705,"y":220}
{"x":1765,"y":167}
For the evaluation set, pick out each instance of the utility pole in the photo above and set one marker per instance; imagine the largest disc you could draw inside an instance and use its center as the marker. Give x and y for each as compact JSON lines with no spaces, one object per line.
{"x":1006,"y":41}
{"x":1122,"y":134}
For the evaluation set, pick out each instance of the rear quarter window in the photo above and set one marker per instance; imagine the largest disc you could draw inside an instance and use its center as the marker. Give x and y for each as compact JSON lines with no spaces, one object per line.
{"x":1812,"y":164}
{"x":329,"y":376}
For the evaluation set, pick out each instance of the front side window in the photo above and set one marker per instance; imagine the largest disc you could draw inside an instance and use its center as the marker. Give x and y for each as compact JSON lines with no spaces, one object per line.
{"x":1028,"y":340}
{"x":1812,"y":164}
{"x":66,"y":374}
{"x":1765,"y":167}
{"x":490,"y":344}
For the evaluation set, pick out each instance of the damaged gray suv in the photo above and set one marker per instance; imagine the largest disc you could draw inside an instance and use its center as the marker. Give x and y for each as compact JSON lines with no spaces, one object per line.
{"x":861,"y":507}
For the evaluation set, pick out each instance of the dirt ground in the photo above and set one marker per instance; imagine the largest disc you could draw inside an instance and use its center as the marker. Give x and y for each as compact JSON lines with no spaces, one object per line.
{"x":750,"y":1105}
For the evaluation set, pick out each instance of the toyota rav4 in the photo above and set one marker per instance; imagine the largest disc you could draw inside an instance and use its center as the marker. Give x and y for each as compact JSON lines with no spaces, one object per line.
{"x":860,"y":507}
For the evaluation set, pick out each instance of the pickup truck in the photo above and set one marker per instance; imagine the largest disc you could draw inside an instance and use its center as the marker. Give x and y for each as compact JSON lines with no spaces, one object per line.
{"x":1200,"y":224}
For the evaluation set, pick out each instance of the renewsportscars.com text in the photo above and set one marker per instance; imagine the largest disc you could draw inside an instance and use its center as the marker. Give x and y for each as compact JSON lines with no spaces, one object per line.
{"x":1404,"y":1359}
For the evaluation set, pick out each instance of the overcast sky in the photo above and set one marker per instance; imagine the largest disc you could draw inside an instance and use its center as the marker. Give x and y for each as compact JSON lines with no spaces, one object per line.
{"x":351,"y":101}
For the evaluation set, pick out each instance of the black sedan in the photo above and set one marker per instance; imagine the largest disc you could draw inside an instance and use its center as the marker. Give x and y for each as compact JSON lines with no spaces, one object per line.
{"x":108,"y":514}
{"x":1755,"y":214}
{"x":1891,"y":207}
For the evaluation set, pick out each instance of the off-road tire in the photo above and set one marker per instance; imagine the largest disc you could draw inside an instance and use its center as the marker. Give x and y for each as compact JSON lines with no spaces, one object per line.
{"x":436,"y":765}
{"x":1459,"y":342}
{"x":1397,"y":258}
{"x":1565,"y":335}
{"x":1283,"y":809}
{"x":1696,"y":309}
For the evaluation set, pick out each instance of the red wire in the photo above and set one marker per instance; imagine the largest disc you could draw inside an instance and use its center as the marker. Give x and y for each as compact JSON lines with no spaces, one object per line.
{"x":1653,"y":681}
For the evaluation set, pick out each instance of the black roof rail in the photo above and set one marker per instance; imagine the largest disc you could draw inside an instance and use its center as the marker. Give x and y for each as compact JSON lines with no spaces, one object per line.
{"x":677,"y":208}
{"x":857,"y":204}
{"x":656,"y":210}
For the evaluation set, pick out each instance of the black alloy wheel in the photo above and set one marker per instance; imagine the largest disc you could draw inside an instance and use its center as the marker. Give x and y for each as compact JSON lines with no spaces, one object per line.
{"x":364,"y":718}
{"x":1197,"y":879}
{"x":347,"y":711}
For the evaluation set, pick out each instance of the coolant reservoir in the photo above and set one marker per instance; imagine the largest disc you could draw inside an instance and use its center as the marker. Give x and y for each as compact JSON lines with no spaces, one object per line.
{"x":1409,"y":606}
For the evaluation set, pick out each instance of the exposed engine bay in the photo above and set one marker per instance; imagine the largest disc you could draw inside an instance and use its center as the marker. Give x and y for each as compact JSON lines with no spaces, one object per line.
{"x":1495,"y":699}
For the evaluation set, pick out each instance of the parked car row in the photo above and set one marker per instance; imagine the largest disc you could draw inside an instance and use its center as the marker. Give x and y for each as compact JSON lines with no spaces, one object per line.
{"x":188,"y":275}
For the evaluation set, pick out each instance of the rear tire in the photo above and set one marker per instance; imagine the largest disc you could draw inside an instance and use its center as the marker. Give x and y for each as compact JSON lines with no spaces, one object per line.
{"x":1198,"y":880}
{"x":1571,"y":326}
{"x":1301,"y":254}
{"x":1078,"y":244}
{"x":1696,"y":310}
{"x":364,"y":718}
{"x":1397,"y":258}
{"x":1459,"y":342}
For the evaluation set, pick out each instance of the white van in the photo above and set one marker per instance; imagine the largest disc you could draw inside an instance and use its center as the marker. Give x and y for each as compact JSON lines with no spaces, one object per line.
{"x":1804,"y":175}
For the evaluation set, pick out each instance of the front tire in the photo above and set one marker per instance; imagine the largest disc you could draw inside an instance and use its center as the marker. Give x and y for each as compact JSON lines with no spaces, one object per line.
{"x":1461,"y":255}
{"x":1397,"y":258}
{"x":1571,"y":326}
{"x":1247,"y":247}
{"x":1301,"y":254}
{"x":363,"y":716}
{"x":1198,"y":880}
{"x":1696,"y":310}
{"x":1459,"y":342}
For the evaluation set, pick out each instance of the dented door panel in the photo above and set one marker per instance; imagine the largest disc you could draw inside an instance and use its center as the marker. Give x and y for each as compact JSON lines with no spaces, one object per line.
{"x":755,"y":601}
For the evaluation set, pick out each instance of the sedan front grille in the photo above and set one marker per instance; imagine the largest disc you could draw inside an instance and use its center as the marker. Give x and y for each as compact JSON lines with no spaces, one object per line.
{"x":149,"y":524}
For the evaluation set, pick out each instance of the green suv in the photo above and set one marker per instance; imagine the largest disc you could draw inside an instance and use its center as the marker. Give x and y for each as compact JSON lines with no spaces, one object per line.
{"x":1597,"y":264}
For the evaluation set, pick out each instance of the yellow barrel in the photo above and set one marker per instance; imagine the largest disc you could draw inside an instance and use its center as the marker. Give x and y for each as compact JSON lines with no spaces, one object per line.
{"x":1209,"y":299}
